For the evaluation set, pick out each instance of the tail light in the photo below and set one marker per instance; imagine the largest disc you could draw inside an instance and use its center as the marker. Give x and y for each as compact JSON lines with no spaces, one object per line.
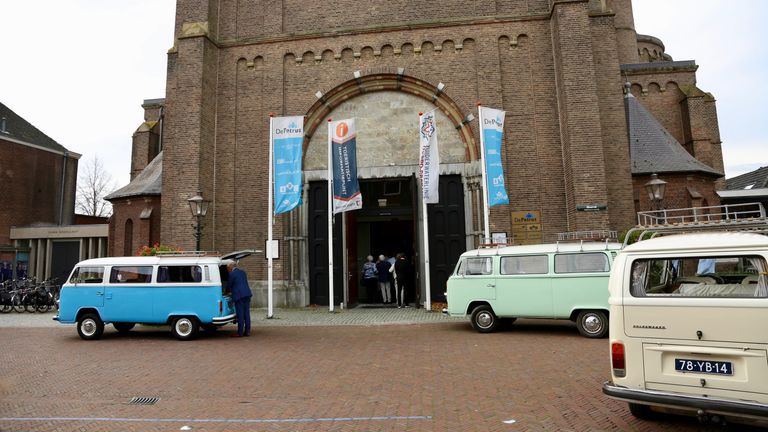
{"x":617,"y":359}
{"x":221,"y":307}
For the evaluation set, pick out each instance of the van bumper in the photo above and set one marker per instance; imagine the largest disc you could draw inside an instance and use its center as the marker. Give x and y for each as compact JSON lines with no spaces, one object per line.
{"x":224,"y":320}
{"x":687,"y":402}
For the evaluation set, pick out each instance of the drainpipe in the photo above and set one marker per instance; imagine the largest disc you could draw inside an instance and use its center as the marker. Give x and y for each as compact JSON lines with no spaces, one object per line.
{"x":63,"y":181}
{"x":160,"y":139}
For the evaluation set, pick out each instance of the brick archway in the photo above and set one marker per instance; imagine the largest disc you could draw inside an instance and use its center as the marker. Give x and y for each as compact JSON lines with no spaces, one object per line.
{"x":326,"y":103}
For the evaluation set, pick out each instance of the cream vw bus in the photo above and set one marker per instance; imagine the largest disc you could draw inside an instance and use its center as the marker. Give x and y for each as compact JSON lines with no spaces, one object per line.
{"x":689,"y":325}
{"x":555,"y":281}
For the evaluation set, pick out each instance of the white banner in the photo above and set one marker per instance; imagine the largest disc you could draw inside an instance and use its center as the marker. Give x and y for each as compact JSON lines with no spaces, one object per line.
{"x":429,"y":158}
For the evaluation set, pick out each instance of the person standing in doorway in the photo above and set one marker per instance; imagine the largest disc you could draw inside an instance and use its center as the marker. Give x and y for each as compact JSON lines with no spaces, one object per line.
{"x":369,"y":277}
{"x":382,"y":267}
{"x":237,"y":284}
{"x":403,"y":271}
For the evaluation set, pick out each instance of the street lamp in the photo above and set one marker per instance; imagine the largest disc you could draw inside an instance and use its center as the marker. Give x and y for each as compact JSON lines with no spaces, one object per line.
{"x":199,"y":207}
{"x":655,"y":189}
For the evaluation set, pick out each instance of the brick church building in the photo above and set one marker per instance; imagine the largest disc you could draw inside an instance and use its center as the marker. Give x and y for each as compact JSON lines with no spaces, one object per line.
{"x":592,"y":111}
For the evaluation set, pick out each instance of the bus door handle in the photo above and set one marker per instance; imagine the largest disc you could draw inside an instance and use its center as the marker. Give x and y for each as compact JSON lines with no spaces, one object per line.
{"x":491,"y":285}
{"x":99,"y":293}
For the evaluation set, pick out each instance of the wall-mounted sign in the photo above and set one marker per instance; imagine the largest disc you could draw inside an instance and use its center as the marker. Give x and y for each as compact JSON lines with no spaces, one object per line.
{"x":526,"y":227}
{"x":591,"y":207}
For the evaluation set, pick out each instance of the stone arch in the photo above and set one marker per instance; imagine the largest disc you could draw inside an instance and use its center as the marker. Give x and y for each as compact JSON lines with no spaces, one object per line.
{"x":317,"y":114}
{"x":347,"y":55}
{"x":366,"y":53}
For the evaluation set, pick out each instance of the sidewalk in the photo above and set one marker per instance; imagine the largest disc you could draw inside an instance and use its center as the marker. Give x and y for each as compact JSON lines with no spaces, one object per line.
{"x":309,"y":316}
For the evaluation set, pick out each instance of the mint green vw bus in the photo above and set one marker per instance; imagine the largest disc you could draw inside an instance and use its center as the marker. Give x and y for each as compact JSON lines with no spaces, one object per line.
{"x":554,"y":281}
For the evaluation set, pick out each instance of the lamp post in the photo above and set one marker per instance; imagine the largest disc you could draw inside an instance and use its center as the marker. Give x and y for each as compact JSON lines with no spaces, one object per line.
{"x":656,"y":188}
{"x":199,"y":207}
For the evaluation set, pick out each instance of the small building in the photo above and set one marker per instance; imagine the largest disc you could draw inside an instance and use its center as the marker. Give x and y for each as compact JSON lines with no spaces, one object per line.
{"x":39,"y":236}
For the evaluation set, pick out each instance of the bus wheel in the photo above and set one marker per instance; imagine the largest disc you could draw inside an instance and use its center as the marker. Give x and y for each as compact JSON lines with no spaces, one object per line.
{"x":484,"y":320}
{"x":592,"y":323}
{"x":184,"y":328}
{"x":123,"y":327}
{"x":90,"y":327}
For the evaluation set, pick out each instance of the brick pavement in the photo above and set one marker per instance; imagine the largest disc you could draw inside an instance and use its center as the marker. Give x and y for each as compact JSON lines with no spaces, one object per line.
{"x":438,"y":376}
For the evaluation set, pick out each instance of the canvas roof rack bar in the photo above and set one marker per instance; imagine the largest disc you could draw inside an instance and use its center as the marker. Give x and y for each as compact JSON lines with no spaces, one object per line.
{"x":726,"y":217}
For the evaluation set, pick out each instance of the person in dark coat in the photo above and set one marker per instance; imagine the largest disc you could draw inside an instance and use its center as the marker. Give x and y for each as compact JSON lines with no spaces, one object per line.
{"x":382,"y":267}
{"x":403,"y":270}
{"x":241,"y":295}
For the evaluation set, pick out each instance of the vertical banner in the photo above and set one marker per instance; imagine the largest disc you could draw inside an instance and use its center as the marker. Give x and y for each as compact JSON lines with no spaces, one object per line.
{"x":492,"y":130}
{"x":429,"y":158}
{"x":288,"y":137}
{"x":346,"y":189}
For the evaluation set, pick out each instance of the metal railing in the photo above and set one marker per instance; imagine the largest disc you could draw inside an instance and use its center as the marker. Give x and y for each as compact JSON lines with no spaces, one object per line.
{"x":726,"y":217}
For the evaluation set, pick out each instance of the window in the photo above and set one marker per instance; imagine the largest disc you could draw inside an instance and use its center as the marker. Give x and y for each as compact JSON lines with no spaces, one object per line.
{"x":705,"y":276}
{"x":391,"y":187}
{"x":87,"y":275}
{"x":515,"y":265}
{"x":476,"y":266}
{"x":179,"y":274}
{"x":131,"y":274}
{"x":582,"y":263}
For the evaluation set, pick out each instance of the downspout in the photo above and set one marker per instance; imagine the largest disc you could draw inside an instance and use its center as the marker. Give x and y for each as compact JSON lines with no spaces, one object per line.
{"x":160,"y":139}
{"x":63,"y":180}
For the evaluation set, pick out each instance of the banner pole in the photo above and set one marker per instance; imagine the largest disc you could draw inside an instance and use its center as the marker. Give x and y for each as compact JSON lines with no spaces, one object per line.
{"x":270,"y":218}
{"x":486,"y":210}
{"x":330,"y":218}
{"x":427,"y":282}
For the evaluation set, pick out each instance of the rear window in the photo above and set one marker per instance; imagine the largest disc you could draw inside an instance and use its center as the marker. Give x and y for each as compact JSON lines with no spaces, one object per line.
{"x":476,"y":266}
{"x":87,"y":275}
{"x":706,"y":276}
{"x":130,"y":274}
{"x":590,"y":262}
{"x":179,"y":274}
{"x":517,"y":265}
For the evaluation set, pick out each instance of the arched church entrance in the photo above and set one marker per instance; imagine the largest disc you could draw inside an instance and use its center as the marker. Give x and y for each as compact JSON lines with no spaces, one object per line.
{"x":391,"y":219}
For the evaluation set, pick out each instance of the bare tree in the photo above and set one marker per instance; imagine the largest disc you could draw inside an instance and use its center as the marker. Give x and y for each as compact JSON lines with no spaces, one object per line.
{"x":93,"y":184}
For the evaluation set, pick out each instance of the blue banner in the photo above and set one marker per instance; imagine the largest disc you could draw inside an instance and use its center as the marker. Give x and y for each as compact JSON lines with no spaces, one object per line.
{"x":346,"y":189}
{"x":287,"y":140}
{"x":493,"y":130}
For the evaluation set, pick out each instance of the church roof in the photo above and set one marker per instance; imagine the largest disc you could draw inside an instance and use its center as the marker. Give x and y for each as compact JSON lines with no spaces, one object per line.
{"x":757,"y":179}
{"x":148,"y":182}
{"x":653,"y":149}
{"x":19,"y":129}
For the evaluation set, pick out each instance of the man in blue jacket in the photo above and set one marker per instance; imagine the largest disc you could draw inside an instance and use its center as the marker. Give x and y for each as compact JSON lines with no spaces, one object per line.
{"x":241,"y":295}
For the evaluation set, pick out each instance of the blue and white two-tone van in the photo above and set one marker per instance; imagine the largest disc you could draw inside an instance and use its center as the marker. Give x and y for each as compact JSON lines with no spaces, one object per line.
{"x":185,"y":291}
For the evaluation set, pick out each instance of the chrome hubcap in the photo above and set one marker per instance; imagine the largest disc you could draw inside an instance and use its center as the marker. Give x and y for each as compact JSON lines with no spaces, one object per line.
{"x":89,"y":327}
{"x":484,"y":319}
{"x":592,"y":324}
{"x":183,"y":327}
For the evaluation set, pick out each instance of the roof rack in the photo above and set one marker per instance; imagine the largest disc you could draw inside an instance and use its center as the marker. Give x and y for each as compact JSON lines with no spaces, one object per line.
{"x":587,"y":235}
{"x":188,"y":253}
{"x":605,"y":241}
{"x":727,"y":217}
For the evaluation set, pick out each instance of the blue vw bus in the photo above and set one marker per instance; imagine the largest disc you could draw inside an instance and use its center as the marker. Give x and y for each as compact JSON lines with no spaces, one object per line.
{"x":185,"y":291}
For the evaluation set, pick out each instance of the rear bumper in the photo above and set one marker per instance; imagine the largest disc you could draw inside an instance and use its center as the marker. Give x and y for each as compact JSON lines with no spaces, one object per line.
{"x":224,"y":319}
{"x":694,"y":403}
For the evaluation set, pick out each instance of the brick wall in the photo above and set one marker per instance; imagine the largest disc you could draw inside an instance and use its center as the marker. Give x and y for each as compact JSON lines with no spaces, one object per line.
{"x":30,"y":187}
{"x":144,"y":231}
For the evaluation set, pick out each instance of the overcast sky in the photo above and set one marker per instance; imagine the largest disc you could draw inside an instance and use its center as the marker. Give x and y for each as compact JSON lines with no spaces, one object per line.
{"x":79,"y":69}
